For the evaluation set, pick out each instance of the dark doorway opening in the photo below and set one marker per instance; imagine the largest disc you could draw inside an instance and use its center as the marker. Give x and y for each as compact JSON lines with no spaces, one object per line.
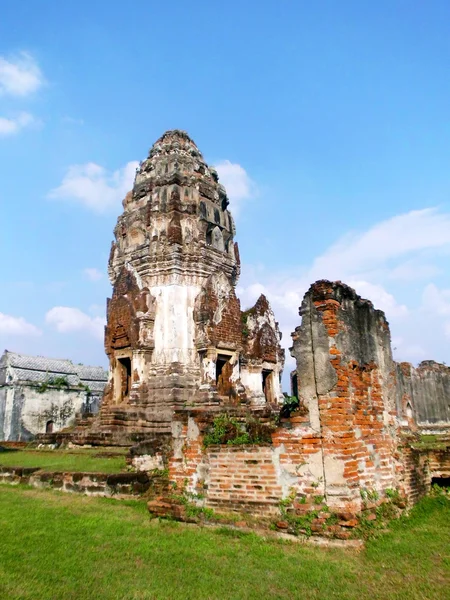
{"x":49,"y":427}
{"x":443,"y":482}
{"x":220,"y":363}
{"x":267,"y":384}
{"x":294,"y":385}
{"x":125,"y":375}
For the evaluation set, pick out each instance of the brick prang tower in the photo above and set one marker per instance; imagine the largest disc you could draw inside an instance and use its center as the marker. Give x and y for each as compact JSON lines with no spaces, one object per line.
{"x":175,"y":334}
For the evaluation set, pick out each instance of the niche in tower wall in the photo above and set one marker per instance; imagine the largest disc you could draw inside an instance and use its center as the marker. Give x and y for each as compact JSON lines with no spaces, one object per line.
{"x":214,"y":238}
{"x":221,"y":361}
{"x":224,"y":370}
{"x":267,"y":384}
{"x":122,"y":379}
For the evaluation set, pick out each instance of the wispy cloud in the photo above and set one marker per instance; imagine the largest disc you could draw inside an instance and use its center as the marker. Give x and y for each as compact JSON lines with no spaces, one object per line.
{"x":394,"y":238}
{"x":93,"y":274}
{"x":16,"y":124}
{"x":67,"y":319}
{"x":10,"y":325}
{"x":436,"y":300}
{"x":393,"y":258}
{"x":20,"y":75}
{"x":94,"y":187}
{"x":237,"y":182}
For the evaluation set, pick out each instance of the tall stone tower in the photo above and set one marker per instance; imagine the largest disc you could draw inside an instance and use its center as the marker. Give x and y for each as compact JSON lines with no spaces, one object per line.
{"x":176,"y":336}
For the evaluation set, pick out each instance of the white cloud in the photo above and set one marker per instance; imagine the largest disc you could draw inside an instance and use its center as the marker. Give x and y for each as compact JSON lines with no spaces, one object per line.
{"x":413,"y":270}
{"x":20,"y":76}
{"x":93,"y":274}
{"x":436,"y":300}
{"x":17,"y":326}
{"x":403,"y":350}
{"x":379,"y":297}
{"x":238,"y":184}
{"x":97,"y":309}
{"x":14,"y":125}
{"x":391,"y":239}
{"x":94,"y":187}
{"x":68,"y":320}
{"x":383,"y":264}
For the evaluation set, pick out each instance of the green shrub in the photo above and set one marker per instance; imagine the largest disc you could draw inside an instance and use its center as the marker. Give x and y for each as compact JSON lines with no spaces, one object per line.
{"x":226,"y":430}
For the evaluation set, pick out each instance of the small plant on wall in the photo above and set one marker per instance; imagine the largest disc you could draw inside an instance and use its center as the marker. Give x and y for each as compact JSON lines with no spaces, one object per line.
{"x":55,"y":382}
{"x":227,"y":430}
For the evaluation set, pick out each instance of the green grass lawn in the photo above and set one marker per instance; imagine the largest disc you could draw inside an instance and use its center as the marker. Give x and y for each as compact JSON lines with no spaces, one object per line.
{"x":63,"y":546}
{"x":89,"y":460}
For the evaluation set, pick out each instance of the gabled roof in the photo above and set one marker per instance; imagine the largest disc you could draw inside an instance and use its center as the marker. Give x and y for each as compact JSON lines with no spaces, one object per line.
{"x":38,"y":369}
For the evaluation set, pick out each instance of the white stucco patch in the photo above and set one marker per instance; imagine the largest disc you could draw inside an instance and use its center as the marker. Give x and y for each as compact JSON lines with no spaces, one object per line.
{"x":174,"y":330}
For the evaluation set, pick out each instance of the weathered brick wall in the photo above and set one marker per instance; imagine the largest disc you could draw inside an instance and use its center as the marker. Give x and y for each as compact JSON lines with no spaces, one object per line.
{"x":418,"y":467}
{"x":341,"y":453}
{"x":346,"y":379}
{"x":299,"y":451}
{"x":261,"y":336}
{"x":248,"y":478}
{"x":413,"y":473}
{"x":218,"y":312}
{"x":294,"y":472}
{"x":243,"y":479}
{"x":423,"y":394}
{"x":439,"y":462}
{"x":185,"y":461}
{"x":122,"y":329}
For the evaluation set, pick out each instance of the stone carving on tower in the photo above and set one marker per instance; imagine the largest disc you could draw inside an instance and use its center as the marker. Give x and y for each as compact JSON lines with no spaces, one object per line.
{"x":175,"y":334}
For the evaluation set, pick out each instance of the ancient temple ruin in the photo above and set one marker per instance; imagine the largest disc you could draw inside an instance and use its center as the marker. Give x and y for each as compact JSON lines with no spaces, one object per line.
{"x":40,"y":394}
{"x":194,"y":381}
{"x":176,"y":336}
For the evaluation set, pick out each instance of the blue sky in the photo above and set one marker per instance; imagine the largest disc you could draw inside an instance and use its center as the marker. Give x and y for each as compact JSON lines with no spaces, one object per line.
{"x":328,"y":121}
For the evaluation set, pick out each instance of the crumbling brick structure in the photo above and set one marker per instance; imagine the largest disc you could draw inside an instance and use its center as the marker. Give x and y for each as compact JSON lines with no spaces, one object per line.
{"x":347,"y":381}
{"x":194,"y":381}
{"x":341,"y":444}
{"x":344,"y":449}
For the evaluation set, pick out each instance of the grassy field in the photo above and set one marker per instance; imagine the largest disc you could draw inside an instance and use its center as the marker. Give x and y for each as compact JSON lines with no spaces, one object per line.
{"x":89,"y":460}
{"x":55,"y":545}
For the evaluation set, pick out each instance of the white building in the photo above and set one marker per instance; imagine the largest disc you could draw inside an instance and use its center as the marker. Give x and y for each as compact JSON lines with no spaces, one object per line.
{"x":39,"y":395}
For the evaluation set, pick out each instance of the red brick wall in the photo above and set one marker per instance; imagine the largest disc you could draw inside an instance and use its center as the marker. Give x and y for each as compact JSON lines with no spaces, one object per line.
{"x":261,"y":341}
{"x":248,"y":478}
{"x":243,"y":479}
{"x":417,"y":467}
{"x":253,"y":479}
{"x":356,"y":420}
{"x":229,"y":329}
